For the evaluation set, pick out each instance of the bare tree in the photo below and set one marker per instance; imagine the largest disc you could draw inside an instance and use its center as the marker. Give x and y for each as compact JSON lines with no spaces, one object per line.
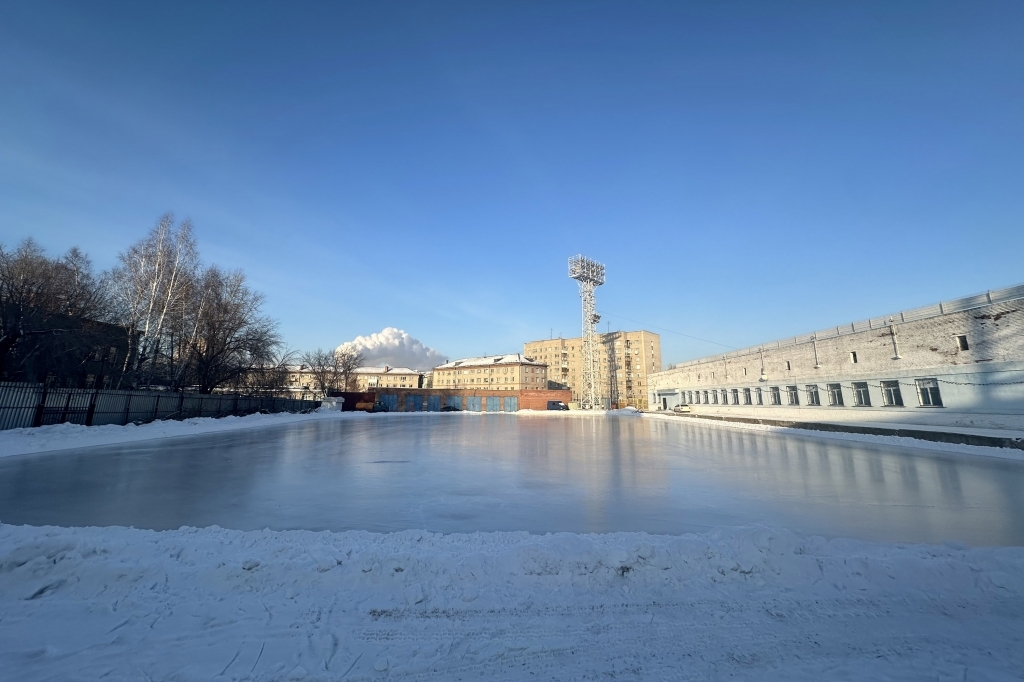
{"x":325,"y":368}
{"x":40,"y":296}
{"x":230,"y":336}
{"x":268,"y":376}
{"x":348,"y":361}
{"x":151,"y":287}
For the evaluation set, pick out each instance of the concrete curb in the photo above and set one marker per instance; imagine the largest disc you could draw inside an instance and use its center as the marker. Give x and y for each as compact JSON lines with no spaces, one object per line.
{"x":934,"y":436}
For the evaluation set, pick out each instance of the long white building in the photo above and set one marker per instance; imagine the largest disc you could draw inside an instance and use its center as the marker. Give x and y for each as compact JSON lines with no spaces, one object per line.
{"x":953,"y":363}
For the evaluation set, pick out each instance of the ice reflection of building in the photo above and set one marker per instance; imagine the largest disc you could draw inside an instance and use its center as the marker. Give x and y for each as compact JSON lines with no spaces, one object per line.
{"x":953,"y":363}
{"x":846,"y":486}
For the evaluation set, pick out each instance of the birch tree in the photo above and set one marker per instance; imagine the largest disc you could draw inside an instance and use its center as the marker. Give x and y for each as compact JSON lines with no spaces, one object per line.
{"x":150,"y":287}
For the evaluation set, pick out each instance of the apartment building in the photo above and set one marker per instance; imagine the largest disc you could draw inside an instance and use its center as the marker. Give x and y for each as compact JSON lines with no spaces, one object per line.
{"x":626,"y":359}
{"x":512,"y":372}
{"x":370,"y":378}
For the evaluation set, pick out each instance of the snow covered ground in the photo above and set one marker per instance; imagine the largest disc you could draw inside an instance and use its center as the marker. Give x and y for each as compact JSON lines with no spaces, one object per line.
{"x":750,"y":603}
{"x":66,"y":436}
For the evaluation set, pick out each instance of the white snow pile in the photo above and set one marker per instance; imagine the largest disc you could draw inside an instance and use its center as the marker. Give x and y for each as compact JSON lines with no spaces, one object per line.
{"x":396,"y":348}
{"x":64,"y":436}
{"x":748,"y":603}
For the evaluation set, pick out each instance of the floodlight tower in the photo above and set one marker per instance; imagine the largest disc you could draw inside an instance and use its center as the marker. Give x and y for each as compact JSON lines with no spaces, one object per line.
{"x":589,"y":275}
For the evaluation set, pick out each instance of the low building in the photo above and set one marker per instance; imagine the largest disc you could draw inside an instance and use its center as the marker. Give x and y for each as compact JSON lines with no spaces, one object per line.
{"x":626,"y":360}
{"x":482,"y":399}
{"x":301,"y":383}
{"x":370,"y":378}
{"x":511,"y":372}
{"x":956,"y":363}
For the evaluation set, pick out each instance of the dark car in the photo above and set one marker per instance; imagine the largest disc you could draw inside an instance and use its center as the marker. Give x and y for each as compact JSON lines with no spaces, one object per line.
{"x":557,"y":405}
{"x":450,"y":408}
{"x":380,"y":407}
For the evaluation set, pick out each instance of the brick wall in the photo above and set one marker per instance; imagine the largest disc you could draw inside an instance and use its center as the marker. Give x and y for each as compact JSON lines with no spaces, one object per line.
{"x":538,"y":400}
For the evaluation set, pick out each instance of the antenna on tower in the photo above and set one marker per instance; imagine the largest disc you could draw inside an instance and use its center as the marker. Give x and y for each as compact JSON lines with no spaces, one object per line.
{"x":589,"y":275}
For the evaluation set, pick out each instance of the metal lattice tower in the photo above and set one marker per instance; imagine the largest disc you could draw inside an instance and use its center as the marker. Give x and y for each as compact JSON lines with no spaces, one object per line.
{"x":589,"y":275}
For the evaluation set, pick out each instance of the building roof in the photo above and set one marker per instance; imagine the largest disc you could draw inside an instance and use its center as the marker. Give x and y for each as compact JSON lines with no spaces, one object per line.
{"x":488,"y":360}
{"x":385,"y":370}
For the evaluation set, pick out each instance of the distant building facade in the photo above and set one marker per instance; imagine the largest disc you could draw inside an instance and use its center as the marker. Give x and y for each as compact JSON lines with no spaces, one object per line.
{"x":370,"y":378}
{"x":956,"y":363}
{"x":627,"y":359}
{"x":301,"y":383}
{"x":512,"y":372}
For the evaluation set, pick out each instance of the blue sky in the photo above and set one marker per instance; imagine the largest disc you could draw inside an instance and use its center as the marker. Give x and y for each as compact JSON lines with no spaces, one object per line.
{"x":747,"y":171}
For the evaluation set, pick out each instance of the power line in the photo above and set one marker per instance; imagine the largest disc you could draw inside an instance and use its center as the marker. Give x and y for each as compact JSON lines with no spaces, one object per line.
{"x":689,"y":336}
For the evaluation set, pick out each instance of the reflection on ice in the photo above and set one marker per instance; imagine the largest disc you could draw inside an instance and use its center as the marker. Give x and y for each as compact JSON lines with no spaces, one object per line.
{"x":463,"y":473}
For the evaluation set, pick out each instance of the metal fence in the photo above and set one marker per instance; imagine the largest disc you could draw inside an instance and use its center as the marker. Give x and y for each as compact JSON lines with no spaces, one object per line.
{"x":23,"y":405}
{"x":923,"y":313}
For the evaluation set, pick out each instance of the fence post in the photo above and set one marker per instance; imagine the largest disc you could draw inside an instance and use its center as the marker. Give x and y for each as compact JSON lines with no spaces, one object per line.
{"x":127,"y":407}
{"x":156,"y":407}
{"x":92,"y":408}
{"x":67,"y":406}
{"x":37,"y":419}
{"x":181,"y":404}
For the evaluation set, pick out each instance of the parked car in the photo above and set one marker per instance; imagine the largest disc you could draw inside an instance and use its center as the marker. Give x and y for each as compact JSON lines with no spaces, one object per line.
{"x":681,"y":409}
{"x":380,"y":407}
{"x":557,"y":405}
{"x":450,"y":408}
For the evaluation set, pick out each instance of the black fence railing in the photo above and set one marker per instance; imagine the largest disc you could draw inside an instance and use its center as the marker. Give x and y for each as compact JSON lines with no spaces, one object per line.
{"x":23,"y":405}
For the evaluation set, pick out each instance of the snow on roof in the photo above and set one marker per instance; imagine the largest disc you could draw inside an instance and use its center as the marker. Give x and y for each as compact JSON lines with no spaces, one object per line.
{"x":487,"y":360}
{"x":385,"y":370}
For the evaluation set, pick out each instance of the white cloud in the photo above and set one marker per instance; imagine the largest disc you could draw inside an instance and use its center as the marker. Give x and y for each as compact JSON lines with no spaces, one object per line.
{"x":395,"y":348}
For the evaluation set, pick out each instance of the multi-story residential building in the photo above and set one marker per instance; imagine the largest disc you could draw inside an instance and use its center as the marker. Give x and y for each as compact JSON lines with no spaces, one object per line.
{"x":511,"y":372}
{"x":370,"y":378}
{"x":626,"y":359}
{"x":957,"y":363}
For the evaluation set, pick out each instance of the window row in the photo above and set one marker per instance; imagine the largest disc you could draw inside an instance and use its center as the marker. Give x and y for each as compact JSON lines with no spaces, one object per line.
{"x":927,"y":395}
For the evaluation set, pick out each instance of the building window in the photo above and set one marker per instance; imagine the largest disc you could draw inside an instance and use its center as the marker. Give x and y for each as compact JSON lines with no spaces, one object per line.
{"x":861,"y":397}
{"x":961,"y":342}
{"x":891,"y":395}
{"x":835,"y":395}
{"x":928,"y":393}
{"x":853,"y":357}
{"x":714,"y":397}
{"x":746,"y":396}
{"x":725,"y":397}
{"x":788,"y":366}
{"x":812,"y":395}
{"x":705,"y":397}
{"x":758,"y":396}
{"x":793,"y":395}
{"x":775,"y":395}
{"x":735,"y":396}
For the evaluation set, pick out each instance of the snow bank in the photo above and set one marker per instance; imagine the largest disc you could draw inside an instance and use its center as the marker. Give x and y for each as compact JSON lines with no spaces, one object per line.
{"x":748,"y":603}
{"x":64,"y":436}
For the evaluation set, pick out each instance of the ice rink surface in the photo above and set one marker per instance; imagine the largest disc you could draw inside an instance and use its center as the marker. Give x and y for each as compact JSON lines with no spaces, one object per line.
{"x":462,"y":473}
